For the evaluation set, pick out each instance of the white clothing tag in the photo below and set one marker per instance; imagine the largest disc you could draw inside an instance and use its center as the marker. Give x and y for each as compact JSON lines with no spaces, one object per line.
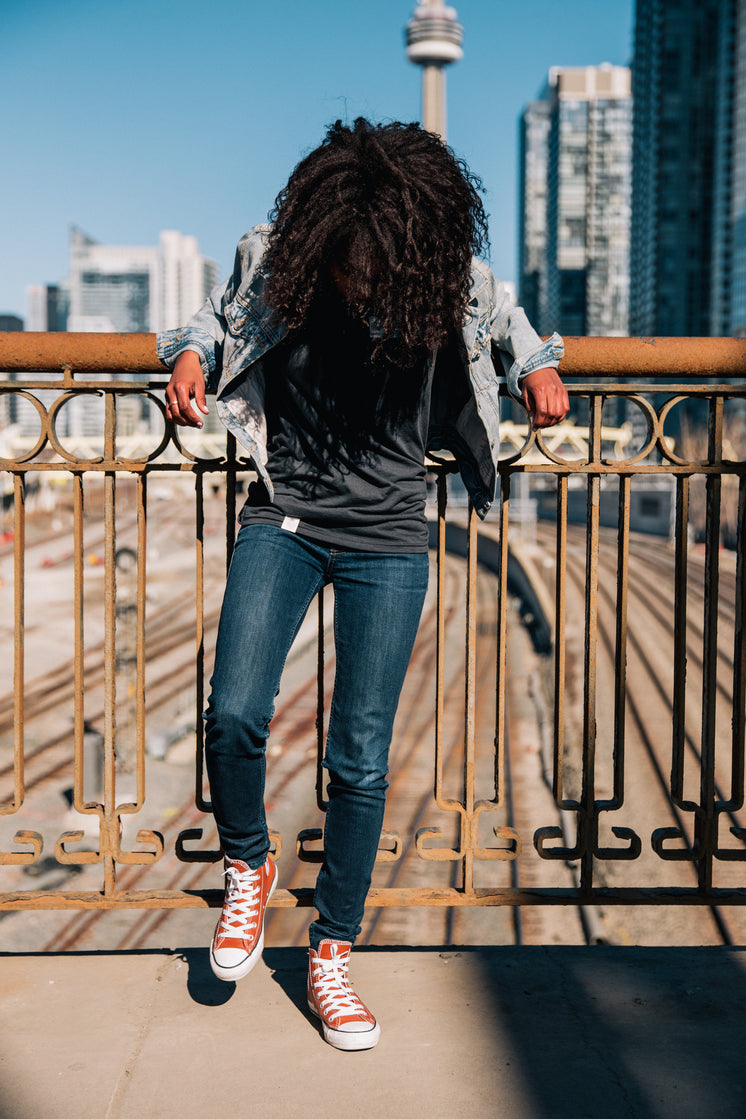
{"x":290,"y":524}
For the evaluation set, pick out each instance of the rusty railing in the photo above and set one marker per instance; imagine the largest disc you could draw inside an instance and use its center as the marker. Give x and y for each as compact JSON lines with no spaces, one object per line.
{"x":111,"y":519}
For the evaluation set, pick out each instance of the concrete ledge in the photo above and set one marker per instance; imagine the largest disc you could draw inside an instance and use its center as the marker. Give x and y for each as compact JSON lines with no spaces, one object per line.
{"x":524,"y":1033}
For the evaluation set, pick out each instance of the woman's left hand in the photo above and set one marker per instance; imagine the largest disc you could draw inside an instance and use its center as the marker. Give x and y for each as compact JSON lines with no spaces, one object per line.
{"x":545,"y":398}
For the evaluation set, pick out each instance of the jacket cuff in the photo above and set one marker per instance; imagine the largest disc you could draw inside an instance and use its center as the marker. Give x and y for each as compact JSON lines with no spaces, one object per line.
{"x":171,"y":343}
{"x":547,"y":356}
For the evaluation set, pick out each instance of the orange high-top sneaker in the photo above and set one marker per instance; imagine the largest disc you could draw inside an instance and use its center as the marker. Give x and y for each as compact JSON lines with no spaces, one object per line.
{"x":239,"y":937}
{"x":347,"y":1022}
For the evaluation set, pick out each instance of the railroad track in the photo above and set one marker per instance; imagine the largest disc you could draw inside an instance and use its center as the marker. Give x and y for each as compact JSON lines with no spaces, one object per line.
{"x":410,"y":802}
{"x":295,"y":770}
{"x":649,"y":710}
{"x":51,"y":758}
{"x":293,"y":763}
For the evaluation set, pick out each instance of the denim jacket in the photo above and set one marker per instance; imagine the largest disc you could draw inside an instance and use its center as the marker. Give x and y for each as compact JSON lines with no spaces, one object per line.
{"x":235,"y":327}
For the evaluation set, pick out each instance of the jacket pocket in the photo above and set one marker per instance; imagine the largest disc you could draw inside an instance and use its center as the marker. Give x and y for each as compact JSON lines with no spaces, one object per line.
{"x":236,"y":314}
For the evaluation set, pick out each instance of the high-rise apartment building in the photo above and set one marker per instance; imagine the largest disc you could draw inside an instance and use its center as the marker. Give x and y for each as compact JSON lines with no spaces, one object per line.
{"x":576,"y":150}
{"x":186,"y":278}
{"x":112,"y":287}
{"x":689,"y":189}
{"x":532,"y":217}
{"x":127,"y":289}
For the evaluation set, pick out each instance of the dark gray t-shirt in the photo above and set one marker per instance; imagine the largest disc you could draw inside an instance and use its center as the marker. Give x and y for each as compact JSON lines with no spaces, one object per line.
{"x":346,"y":441}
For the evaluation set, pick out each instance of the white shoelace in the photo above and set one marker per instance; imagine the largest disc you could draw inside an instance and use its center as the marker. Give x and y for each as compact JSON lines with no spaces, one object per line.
{"x":332,"y":989}
{"x":241,"y":905}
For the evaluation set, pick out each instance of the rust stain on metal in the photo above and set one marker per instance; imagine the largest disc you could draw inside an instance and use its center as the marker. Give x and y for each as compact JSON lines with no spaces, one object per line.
{"x":451,"y":835}
{"x":584,"y":357}
{"x":654,"y":357}
{"x":33,"y":351}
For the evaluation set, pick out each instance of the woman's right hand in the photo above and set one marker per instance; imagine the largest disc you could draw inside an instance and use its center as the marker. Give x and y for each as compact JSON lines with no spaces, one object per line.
{"x":187,"y":384}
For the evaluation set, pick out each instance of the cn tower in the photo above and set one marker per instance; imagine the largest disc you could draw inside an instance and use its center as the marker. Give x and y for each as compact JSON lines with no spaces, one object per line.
{"x":434,"y":38}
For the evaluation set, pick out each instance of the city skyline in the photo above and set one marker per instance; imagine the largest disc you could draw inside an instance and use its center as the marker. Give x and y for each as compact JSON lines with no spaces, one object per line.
{"x":129,"y":122}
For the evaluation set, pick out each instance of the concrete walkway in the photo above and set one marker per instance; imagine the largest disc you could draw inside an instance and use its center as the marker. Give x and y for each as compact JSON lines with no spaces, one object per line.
{"x":520,"y":1033}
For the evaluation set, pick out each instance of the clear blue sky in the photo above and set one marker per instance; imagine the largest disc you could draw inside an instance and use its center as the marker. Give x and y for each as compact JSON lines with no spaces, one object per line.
{"x":126,"y":117}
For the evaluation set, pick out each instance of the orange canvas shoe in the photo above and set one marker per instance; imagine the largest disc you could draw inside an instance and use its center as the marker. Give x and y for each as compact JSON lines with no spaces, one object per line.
{"x":239,"y":937}
{"x":346,"y":1021}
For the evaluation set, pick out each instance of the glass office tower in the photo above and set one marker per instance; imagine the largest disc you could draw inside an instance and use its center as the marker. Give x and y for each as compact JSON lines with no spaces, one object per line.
{"x":575,"y":202}
{"x":689,"y":182}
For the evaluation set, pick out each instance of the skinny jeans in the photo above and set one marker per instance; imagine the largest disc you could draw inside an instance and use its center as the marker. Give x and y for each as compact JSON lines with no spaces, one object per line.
{"x":274,"y":576}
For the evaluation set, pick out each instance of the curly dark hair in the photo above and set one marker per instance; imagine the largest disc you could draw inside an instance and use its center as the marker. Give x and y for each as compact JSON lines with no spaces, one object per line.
{"x":391,"y":208}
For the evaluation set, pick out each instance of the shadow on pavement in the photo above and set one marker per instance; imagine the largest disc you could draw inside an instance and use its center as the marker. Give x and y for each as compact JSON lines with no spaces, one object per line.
{"x":203,"y":985}
{"x":289,"y":968}
{"x":641,"y":1033}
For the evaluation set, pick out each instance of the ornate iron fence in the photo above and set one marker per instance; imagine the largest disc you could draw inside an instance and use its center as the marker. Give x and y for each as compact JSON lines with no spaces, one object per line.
{"x":658,"y":422}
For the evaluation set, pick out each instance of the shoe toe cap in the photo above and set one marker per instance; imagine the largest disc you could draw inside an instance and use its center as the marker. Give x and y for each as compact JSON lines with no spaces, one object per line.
{"x":356,"y":1026}
{"x":229,"y":957}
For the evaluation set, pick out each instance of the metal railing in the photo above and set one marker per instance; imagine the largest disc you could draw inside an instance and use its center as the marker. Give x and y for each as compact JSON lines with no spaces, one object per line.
{"x":683,"y":433}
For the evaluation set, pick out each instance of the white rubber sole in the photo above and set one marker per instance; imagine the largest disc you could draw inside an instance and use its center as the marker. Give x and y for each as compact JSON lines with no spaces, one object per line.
{"x":243,"y":967}
{"x":349,"y":1040}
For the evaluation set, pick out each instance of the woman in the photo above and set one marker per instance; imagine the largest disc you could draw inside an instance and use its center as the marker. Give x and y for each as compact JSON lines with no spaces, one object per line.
{"x":354,"y":334}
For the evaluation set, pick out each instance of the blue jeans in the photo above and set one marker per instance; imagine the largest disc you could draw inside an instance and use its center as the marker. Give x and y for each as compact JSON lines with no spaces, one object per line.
{"x":273,"y":578}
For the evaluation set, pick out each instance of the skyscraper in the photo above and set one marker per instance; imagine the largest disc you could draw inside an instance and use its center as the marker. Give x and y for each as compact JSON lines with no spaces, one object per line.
{"x":127,"y":289}
{"x":689,"y":189}
{"x":112,"y":287}
{"x":575,"y":201}
{"x":119,"y":289}
{"x":737,"y":315}
{"x":536,"y":122}
{"x":47,"y":307}
{"x":186,"y":278}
